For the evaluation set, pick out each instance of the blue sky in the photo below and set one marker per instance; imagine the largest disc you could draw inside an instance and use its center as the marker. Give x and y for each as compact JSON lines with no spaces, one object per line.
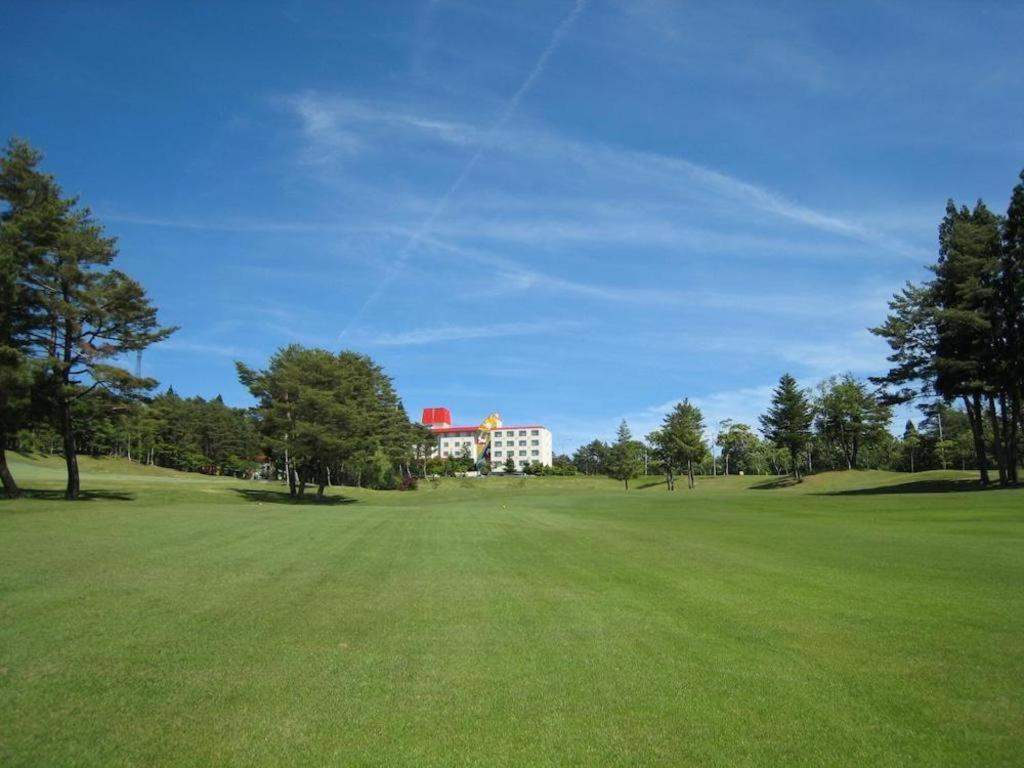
{"x":569,"y":212}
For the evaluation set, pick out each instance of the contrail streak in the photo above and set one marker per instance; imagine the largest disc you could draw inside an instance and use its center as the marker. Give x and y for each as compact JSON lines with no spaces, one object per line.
{"x":441,"y":205}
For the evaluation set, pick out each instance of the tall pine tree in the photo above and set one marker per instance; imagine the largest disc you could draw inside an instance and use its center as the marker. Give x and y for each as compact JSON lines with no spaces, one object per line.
{"x":679,"y":444}
{"x":82,"y":315}
{"x":788,"y":421}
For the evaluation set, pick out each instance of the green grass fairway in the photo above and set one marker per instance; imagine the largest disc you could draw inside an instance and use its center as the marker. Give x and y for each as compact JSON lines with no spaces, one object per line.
{"x":861,"y":619}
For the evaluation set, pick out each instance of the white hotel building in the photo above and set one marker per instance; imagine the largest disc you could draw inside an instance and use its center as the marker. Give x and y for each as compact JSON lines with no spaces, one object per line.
{"x":491,"y":440}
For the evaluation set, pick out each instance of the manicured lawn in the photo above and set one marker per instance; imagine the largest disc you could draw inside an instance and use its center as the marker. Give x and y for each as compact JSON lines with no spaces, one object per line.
{"x":178,"y":620}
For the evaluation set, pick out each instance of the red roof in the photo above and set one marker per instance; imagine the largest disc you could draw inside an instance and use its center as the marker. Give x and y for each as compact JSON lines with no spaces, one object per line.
{"x":442,"y":430}
{"x":433,"y":416}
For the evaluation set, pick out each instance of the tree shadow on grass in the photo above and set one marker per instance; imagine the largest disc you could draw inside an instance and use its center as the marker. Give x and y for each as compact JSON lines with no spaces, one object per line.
{"x":261,"y":496}
{"x":55,"y":495}
{"x":785,"y":481}
{"x":919,"y":486}
{"x":650,"y":484}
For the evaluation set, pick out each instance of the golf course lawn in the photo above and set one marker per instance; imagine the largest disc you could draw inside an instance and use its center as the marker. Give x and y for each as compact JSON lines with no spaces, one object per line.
{"x":858,"y":619}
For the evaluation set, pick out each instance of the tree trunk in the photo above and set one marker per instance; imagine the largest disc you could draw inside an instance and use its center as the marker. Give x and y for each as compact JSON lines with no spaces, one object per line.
{"x":997,"y":440}
{"x":670,"y":483}
{"x":1009,"y":433}
{"x":689,"y":473}
{"x":10,"y":487}
{"x":626,"y":481}
{"x":1015,"y":425}
{"x":938,"y":417}
{"x":70,"y":455}
{"x":974,"y":417}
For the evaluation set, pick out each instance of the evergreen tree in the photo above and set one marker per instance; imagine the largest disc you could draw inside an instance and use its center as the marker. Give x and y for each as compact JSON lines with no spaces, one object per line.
{"x":83,"y":314}
{"x":327,"y":416}
{"x":29,"y":225}
{"x":960,"y":335}
{"x":788,"y":421}
{"x":624,"y":458}
{"x":965,"y":300}
{"x":1011,"y":307}
{"x":679,"y":444}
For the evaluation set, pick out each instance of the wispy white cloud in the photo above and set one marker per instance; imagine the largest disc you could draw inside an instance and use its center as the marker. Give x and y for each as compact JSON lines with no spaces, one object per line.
{"x":443,"y":333}
{"x":442,"y":203}
{"x":237,"y":225}
{"x":510,"y":276}
{"x":204,"y":348}
{"x":859,"y":353}
{"x":337,"y":127}
{"x":666,"y":180}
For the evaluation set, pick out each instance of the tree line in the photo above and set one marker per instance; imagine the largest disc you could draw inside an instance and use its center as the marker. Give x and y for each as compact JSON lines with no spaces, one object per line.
{"x":959,"y":337}
{"x":957,"y":353}
{"x":843,"y":423}
{"x":190,"y":434}
{"x":69,"y":320}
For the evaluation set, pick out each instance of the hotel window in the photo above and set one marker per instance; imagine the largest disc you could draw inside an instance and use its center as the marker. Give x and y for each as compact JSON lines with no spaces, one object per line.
{"x":522,"y":433}
{"x":522,"y":453}
{"x":535,"y":442}
{"x":497,"y":443}
{"x":444,"y":453}
{"x":497,"y":453}
{"x":522,"y":442}
{"x":510,"y":433}
{"x":535,"y":453}
{"x":534,"y":432}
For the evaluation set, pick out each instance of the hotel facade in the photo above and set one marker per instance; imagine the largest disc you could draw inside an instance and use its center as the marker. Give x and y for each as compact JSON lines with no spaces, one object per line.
{"x":490,"y":442}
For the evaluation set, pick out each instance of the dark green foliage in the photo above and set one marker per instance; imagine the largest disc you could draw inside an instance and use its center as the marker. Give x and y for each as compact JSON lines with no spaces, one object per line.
{"x":911,"y":443}
{"x":424,"y":443}
{"x":625,"y":458}
{"x":788,"y":421}
{"x":848,"y":419}
{"x":960,"y":335}
{"x":742,"y":450}
{"x":69,"y":308}
{"x":331,"y":418}
{"x":679,"y":444}
{"x":561,"y":464}
{"x":29,"y":225}
{"x":592,"y":458}
{"x":187,"y":434}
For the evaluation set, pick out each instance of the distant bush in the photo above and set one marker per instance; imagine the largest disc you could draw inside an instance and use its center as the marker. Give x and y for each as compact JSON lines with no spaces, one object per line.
{"x":408,"y":483}
{"x":557,"y":471}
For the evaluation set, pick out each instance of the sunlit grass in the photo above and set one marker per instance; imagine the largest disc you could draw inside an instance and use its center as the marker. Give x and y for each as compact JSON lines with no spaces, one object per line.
{"x":179,"y":620}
